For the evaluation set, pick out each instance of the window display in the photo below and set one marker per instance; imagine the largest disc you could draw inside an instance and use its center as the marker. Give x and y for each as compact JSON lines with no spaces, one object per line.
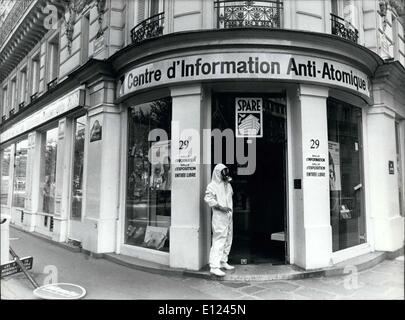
{"x":345,"y":175}
{"x":5,"y":174}
{"x":78,"y":159}
{"x":148,"y":203}
{"x":20,"y":173}
{"x":49,"y":170}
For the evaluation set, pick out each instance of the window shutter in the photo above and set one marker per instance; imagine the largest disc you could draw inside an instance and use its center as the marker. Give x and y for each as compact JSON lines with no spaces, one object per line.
{"x":140,"y":11}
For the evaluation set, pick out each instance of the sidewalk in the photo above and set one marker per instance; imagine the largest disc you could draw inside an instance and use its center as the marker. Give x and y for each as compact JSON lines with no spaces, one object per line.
{"x":106,"y":280}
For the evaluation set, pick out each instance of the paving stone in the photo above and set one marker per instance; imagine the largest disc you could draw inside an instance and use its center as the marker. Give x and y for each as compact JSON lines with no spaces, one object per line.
{"x":273,"y":295}
{"x":335,"y":288}
{"x":251,"y":289}
{"x":235,"y":285}
{"x":377,"y":278}
{"x":314,"y":294}
{"x":280,"y":285}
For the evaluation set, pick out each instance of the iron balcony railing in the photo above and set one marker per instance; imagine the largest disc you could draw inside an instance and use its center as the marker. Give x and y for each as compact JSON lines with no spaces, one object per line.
{"x":12,"y":18}
{"x":245,"y":14}
{"x":149,"y":28}
{"x":344,"y":29}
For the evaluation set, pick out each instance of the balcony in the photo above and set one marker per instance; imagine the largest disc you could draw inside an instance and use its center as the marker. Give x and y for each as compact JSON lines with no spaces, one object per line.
{"x":249,"y":14}
{"x":344,"y":29}
{"x":149,"y":28}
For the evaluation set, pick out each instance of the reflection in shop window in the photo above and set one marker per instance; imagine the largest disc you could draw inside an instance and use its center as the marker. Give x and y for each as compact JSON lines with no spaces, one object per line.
{"x":78,"y":160}
{"x":345,"y":175}
{"x":20,"y":173}
{"x":5,"y":174}
{"x":148,"y":203}
{"x":48,"y":170}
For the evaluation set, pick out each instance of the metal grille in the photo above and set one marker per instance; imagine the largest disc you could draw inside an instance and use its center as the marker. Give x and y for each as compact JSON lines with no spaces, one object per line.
{"x":149,"y":28}
{"x":344,"y":29}
{"x":244,"y":14}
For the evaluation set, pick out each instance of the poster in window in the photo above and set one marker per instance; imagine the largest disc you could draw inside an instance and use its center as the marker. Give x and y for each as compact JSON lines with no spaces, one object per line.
{"x":334,"y":166}
{"x":160,"y":158}
{"x":249,"y":117}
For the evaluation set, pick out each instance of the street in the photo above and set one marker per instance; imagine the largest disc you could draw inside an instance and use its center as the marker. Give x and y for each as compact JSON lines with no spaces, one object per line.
{"x":103,"y":279}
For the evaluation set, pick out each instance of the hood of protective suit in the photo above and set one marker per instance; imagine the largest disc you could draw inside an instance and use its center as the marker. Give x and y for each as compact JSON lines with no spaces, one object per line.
{"x":216,"y":174}
{"x":220,"y":189}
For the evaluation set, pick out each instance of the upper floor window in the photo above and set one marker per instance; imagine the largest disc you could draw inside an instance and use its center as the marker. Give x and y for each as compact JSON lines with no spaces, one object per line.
{"x":5,"y":100}
{"x":23,"y":86}
{"x":344,"y":19}
{"x":35,"y":75}
{"x":149,"y":20}
{"x":13,"y":93}
{"x":53,"y":66}
{"x":85,"y":38}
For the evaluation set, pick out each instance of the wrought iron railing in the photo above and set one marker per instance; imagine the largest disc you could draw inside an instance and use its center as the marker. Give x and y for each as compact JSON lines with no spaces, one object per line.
{"x":244,"y":14}
{"x":344,"y":29}
{"x":15,"y":14}
{"x":149,"y":28}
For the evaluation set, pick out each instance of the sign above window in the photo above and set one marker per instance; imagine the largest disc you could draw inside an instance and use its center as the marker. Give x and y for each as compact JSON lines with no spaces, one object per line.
{"x":246,"y":65}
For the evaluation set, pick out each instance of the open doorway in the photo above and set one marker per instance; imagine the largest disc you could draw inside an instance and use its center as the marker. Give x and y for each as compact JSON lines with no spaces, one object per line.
{"x":259,"y":216}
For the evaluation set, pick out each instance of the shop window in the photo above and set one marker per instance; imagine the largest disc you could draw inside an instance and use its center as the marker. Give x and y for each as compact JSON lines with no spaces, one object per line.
{"x":48,"y":170}
{"x":148,"y":203}
{"x":345,"y":175}
{"x":5,"y":155}
{"x":78,"y":160}
{"x":20,"y":173}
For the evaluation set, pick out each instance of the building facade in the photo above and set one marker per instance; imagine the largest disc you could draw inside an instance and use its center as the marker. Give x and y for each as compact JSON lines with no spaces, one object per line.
{"x":114,"y":113}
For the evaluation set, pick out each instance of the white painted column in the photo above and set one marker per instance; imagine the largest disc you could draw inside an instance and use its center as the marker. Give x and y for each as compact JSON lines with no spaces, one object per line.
{"x":312,"y":231}
{"x":63,"y":160}
{"x":186,"y":236}
{"x":102,"y":169}
{"x":33,"y":180}
{"x":388,"y":225}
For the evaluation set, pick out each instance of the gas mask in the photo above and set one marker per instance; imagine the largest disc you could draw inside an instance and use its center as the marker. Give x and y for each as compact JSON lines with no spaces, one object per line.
{"x":225,"y":175}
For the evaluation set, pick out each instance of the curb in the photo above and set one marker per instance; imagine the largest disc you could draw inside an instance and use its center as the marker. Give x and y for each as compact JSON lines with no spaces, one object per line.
{"x":367,"y":261}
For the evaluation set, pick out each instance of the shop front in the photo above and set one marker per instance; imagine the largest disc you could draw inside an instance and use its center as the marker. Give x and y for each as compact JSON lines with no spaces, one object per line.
{"x":39,"y":191}
{"x":288,"y":121}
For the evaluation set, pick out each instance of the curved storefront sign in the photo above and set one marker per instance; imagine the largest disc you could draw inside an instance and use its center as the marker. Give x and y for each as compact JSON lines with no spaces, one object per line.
{"x":245,"y":65}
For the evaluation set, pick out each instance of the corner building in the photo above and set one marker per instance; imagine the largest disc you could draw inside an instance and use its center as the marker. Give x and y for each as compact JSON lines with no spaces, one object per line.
{"x":307,"y":96}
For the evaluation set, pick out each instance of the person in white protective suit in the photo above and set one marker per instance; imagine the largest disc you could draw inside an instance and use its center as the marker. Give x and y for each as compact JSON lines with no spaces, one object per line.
{"x":219,"y":197}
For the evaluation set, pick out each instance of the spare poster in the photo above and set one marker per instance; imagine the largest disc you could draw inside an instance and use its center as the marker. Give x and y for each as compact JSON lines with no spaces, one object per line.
{"x":249,"y":117}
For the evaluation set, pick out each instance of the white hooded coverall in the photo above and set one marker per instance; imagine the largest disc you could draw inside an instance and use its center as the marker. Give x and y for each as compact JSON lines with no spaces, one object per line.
{"x":220,"y":193}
